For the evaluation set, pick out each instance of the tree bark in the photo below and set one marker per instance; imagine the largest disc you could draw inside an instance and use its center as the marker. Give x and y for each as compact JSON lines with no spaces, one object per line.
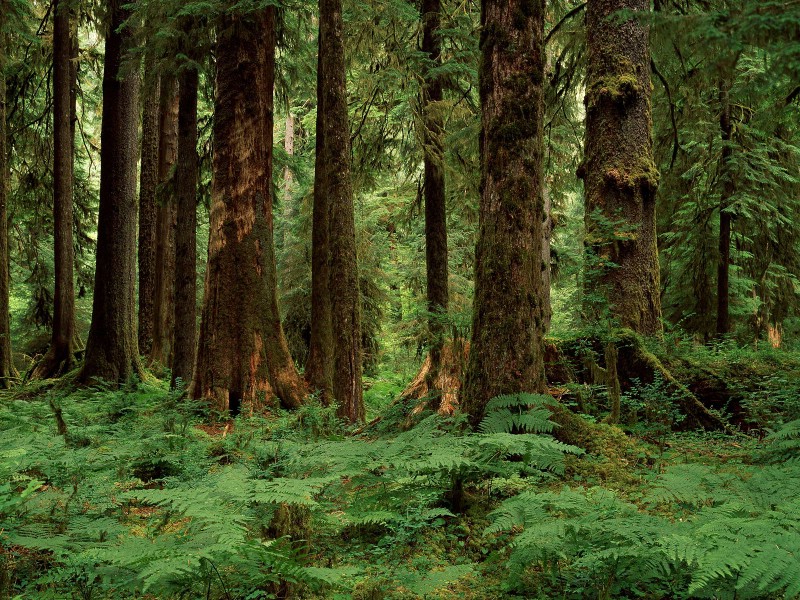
{"x":507,"y":333}
{"x":343,"y":284}
{"x":725,"y":217}
{"x":620,"y":176}
{"x":7,"y":371}
{"x":148,"y":182}
{"x":166,"y":224}
{"x":434,"y":188}
{"x":112,"y":352}
{"x":242,"y":352}
{"x":60,"y":358}
{"x":319,"y":366}
{"x":185,"y":317}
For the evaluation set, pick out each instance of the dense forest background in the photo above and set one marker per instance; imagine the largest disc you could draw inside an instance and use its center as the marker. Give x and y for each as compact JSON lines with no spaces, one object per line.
{"x":399,"y":299}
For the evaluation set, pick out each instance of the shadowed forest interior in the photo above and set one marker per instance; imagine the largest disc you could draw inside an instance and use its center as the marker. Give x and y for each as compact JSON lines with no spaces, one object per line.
{"x":399,"y":299}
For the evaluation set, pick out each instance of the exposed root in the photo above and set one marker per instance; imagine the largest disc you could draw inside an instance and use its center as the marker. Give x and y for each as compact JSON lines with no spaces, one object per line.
{"x":438,"y":389}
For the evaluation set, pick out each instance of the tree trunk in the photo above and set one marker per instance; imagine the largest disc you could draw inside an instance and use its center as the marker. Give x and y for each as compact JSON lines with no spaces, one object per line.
{"x":59,"y":358}
{"x":435,"y":203}
{"x":547,"y":239}
{"x":242,"y":352}
{"x":725,"y":217}
{"x":620,"y":176}
{"x":507,"y":333}
{"x":319,"y":366}
{"x":148,"y":182}
{"x":288,"y":208}
{"x":186,"y":235}
{"x":7,"y":371}
{"x":343,"y":284}
{"x":112,"y":352}
{"x":166,"y":224}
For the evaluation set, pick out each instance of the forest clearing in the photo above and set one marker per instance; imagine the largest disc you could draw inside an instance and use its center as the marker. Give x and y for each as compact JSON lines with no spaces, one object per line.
{"x":393,"y":300}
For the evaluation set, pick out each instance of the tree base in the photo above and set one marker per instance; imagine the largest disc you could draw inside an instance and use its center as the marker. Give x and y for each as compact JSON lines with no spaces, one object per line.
{"x":437,"y":389}
{"x":580,"y":361}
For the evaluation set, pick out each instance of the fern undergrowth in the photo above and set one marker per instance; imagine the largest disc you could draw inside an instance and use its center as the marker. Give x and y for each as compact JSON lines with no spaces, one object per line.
{"x":140,"y":497}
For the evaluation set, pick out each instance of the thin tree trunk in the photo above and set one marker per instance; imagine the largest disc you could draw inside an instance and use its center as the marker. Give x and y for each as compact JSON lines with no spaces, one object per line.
{"x":185,"y":318}
{"x":288,"y":208}
{"x":319,"y":366}
{"x":620,"y":176}
{"x":7,"y":371}
{"x":242,"y":352}
{"x":148,"y":182}
{"x":343,"y":284}
{"x":547,"y":239}
{"x":166,"y":223}
{"x":725,"y":217}
{"x":112,"y":352}
{"x":507,"y":346}
{"x":59,"y":358}
{"x":435,"y":203}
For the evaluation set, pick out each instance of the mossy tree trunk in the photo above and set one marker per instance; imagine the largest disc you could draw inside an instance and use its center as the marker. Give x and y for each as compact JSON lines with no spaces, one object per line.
{"x":620,"y":176}
{"x":343,"y":282}
{"x":507,"y":349}
{"x":59,"y":358}
{"x":7,"y":371}
{"x":185,"y":315}
{"x":242,"y":352}
{"x":148,"y":182}
{"x":112,"y":350}
{"x":161,"y":352}
{"x":434,"y":186}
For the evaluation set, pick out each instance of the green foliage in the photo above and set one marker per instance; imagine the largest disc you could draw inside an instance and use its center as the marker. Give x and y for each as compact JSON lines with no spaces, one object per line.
{"x":701,"y":532}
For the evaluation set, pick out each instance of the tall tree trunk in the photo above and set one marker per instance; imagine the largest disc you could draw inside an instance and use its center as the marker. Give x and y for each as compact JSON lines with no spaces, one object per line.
{"x":620,"y":176}
{"x":288,"y":146}
{"x":725,"y":217}
{"x":343,"y":283}
{"x":242,"y":352}
{"x":547,"y":239}
{"x":59,"y":358}
{"x":112,"y":352}
{"x":7,"y":371}
{"x":185,"y":318}
{"x":148,"y":182}
{"x":166,"y":223}
{"x":319,"y":366}
{"x":506,"y":354}
{"x":435,"y":204}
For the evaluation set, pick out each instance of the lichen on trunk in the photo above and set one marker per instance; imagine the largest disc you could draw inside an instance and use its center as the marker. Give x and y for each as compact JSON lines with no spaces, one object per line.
{"x":619,"y":173}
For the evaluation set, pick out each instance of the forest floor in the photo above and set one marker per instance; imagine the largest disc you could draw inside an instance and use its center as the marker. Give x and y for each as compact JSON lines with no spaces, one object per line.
{"x":148,"y":496}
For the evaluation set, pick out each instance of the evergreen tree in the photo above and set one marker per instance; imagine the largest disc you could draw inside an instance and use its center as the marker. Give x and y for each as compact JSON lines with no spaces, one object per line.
{"x":242,"y":353}
{"x":342,"y":264}
{"x":148,"y":183}
{"x":185,"y":315}
{"x":59,"y":357}
{"x":166,"y":216}
{"x":112,"y":352}
{"x":7,"y":371}
{"x":619,"y":173}
{"x":506,"y":354}
{"x":434,"y":184}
